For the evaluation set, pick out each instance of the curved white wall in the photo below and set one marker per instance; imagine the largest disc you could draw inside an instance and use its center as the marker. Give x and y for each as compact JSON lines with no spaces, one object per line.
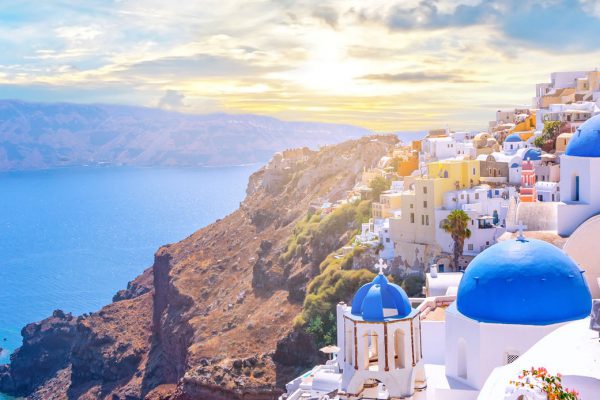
{"x":583,"y":247}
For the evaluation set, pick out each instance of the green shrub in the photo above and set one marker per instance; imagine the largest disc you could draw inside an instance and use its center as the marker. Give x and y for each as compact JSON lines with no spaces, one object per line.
{"x":378,"y":185}
{"x":413,"y":285}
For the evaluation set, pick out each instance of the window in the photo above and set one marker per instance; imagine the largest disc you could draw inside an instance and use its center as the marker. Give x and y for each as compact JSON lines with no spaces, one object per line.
{"x":387,"y":240}
{"x":476,"y":196}
{"x":425,"y":189}
{"x":427,"y":220}
{"x":425,"y":204}
{"x":412,"y":218}
{"x":576,"y":191}
{"x":470,"y":246}
{"x":461,"y":359}
{"x":412,"y":205}
{"x":474,"y":173}
{"x":399,"y":353}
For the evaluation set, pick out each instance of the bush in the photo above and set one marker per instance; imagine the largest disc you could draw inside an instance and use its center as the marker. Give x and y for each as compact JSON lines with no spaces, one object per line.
{"x":378,"y":185}
{"x":324,"y":292}
{"x":413,"y":285}
{"x":314,"y":230}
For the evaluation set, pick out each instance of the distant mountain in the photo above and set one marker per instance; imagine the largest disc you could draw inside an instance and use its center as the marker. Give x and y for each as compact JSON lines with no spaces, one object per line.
{"x":42,"y":135}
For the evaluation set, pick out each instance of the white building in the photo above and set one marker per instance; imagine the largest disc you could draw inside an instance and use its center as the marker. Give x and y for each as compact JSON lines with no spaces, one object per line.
{"x":455,"y":144}
{"x":487,"y":209}
{"x":513,"y":143}
{"x":558,"y":80}
{"x":385,"y":240}
{"x":514,"y":157}
{"x":566,"y":351}
{"x":580,"y":178}
{"x":379,"y":340}
{"x":573,"y":114}
{"x":512,"y":296}
{"x":547,"y":191}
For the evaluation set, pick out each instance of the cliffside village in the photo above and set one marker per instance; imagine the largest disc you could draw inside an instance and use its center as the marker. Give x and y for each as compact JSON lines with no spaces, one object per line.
{"x":503,"y":177}
{"x":518,"y":308}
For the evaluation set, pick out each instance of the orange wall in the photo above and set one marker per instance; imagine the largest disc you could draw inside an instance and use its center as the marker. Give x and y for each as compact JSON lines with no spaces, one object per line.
{"x":409,"y":165}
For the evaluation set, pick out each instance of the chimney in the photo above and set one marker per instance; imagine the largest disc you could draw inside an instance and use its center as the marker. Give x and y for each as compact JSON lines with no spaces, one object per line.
{"x":433,"y":271}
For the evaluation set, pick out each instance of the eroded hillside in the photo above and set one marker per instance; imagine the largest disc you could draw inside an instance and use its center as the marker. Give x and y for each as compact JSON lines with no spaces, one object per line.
{"x":214,"y":316}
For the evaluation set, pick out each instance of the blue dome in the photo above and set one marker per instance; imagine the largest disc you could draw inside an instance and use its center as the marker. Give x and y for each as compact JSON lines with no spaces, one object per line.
{"x":525,"y":282}
{"x":380,"y":300}
{"x":533,"y":155}
{"x":513,"y":138}
{"x":586,"y":141}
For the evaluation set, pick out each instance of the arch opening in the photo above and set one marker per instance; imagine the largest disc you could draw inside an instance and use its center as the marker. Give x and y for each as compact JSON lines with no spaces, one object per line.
{"x":399,"y":349}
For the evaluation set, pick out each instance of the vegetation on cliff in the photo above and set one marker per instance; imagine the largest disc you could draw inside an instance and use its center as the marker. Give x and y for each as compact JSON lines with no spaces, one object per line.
{"x":212,"y":318}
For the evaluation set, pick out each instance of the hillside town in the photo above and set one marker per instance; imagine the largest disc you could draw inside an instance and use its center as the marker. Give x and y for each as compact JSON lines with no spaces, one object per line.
{"x":482,"y":216}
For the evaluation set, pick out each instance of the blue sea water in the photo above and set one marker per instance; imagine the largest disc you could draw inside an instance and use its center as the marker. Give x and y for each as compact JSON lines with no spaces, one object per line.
{"x":70,"y":238}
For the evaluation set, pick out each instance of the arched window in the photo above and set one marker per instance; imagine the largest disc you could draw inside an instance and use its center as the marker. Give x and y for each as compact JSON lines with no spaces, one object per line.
{"x":349,"y":344}
{"x":371,"y":351}
{"x":399,"y":352}
{"x":461,"y":359}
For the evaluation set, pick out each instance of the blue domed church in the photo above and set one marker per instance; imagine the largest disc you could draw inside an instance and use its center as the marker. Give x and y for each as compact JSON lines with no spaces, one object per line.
{"x":579,"y":179}
{"x":511,"y":295}
{"x":379,"y":337}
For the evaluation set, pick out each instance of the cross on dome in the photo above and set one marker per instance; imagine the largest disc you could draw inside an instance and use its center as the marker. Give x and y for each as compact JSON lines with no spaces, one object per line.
{"x":381,"y":265}
{"x":521,"y":236}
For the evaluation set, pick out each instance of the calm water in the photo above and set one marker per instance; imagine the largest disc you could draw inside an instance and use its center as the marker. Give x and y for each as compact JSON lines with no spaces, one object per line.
{"x":70,"y":238}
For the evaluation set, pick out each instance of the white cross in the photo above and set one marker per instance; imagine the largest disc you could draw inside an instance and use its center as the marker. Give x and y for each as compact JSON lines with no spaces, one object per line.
{"x":520,"y":227}
{"x":381,"y":266}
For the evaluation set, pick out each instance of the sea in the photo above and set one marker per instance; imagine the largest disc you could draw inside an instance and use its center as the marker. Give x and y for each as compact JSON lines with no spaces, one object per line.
{"x":70,"y":238}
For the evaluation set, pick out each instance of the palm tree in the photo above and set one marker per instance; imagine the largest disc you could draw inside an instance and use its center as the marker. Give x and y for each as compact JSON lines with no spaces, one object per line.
{"x":457,"y":226}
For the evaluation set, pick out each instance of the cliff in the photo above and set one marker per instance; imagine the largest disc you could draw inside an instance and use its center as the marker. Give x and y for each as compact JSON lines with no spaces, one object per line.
{"x":213,"y":317}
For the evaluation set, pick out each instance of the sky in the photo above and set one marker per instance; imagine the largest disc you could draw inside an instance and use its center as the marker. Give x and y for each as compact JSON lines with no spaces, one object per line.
{"x":384,"y":65}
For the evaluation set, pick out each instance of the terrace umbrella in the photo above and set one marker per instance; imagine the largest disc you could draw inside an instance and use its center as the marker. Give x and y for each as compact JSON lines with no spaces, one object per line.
{"x":329,"y":350}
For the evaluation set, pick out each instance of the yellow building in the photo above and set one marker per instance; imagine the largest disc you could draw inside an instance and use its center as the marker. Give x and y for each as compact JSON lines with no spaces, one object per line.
{"x":414,"y":233}
{"x":453,"y":174}
{"x":389,"y":202}
{"x":562,"y":141}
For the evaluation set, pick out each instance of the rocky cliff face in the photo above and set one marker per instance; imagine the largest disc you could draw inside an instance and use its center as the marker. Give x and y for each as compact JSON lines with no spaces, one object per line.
{"x":212,"y":318}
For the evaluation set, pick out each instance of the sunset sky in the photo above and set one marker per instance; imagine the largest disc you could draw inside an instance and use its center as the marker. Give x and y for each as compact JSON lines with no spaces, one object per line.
{"x":407,"y":66}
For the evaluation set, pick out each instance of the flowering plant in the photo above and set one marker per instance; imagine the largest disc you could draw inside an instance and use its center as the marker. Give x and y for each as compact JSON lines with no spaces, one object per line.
{"x":540,"y":379}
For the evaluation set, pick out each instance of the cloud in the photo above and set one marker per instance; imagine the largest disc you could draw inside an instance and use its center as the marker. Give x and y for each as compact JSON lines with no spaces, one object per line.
{"x":568,"y":25}
{"x":422,"y":76}
{"x":172,"y":100}
{"x":327,"y":14}
{"x":427,"y":15}
{"x":196,"y":66}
